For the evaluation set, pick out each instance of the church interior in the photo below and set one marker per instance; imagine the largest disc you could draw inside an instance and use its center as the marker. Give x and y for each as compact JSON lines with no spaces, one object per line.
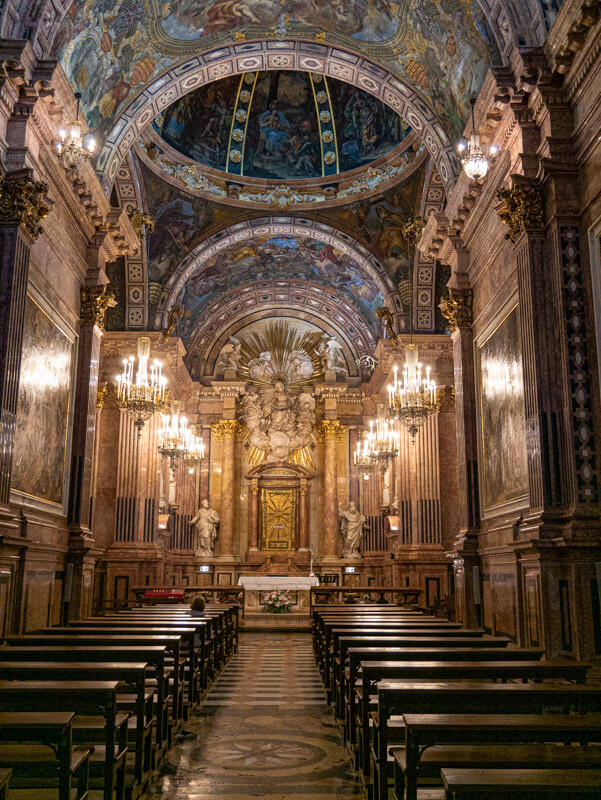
{"x":300,"y":357}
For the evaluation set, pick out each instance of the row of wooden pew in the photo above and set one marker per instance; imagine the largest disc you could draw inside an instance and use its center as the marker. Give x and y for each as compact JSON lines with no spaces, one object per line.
{"x":425,"y":703}
{"x":95,"y":704}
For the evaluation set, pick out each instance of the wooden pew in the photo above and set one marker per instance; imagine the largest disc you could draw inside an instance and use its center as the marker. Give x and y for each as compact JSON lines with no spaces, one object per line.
{"x":155,"y":656}
{"x":172,"y":645}
{"x":5,"y":776}
{"x":85,"y":699}
{"x":423,"y":731}
{"x":374,"y":671}
{"x":335,"y":665}
{"x":401,"y":698}
{"x":52,"y":730}
{"x":353,"y":656}
{"x":522,"y":784}
{"x":131,"y":676}
{"x":191,"y":651}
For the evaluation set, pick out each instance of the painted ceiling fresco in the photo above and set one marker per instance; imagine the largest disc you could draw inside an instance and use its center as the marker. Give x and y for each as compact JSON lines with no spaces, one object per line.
{"x":281,"y":125}
{"x":271,"y":257}
{"x":111,"y":50}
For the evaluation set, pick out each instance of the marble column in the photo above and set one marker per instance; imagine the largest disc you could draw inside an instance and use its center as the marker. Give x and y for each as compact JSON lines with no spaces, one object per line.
{"x":226,"y":430}
{"x":21,"y":208}
{"x":303,"y":517}
{"x":465,"y":550}
{"x":253,"y":516}
{"x":330,"y":429}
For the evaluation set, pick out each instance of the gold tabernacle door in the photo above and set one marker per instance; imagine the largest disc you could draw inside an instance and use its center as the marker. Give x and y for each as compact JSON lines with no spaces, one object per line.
{"x":279,"y":521}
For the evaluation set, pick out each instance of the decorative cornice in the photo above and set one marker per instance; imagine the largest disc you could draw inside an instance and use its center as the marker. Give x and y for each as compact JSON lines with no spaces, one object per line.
{"x":521,"y":209}
{"x":457,"y":308}
{"x":23,"y":201}
{"x":94,"y":302}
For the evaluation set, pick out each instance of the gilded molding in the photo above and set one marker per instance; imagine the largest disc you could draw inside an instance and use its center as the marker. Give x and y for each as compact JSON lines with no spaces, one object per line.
{"x":521,"y":209}
{"x":23,"y":202}
{"x":174,"y":314}
{"x":94,"y":302}
{"x":142,"y":223}
{"x":457,"y":308}
{"x":102,"y":395}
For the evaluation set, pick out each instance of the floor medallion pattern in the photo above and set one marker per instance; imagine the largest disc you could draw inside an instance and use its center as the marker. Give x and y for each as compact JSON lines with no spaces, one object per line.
{"x":263,"y":731}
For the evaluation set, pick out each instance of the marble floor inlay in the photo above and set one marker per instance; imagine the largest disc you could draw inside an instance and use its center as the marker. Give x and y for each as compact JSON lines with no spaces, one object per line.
{"x":262,"y":731}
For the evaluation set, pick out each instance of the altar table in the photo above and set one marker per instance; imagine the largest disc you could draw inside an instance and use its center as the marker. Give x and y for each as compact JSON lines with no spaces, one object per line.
{"x":257,"y":586}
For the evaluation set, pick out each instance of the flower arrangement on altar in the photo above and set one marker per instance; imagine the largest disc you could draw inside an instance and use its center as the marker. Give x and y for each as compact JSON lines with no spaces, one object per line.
{"x":278,"y":602}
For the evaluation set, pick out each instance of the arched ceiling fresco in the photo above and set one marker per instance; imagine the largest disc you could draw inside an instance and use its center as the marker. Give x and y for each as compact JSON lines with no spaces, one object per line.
{"x":111,"y":51}
{"x":281,"y":126}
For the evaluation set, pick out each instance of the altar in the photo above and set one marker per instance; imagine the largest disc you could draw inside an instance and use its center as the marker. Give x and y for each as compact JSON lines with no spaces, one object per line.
{"x":257,"y":586}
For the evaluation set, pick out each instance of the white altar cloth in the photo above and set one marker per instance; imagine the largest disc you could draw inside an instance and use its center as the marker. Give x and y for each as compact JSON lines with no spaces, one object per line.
{"x":269,"y":583}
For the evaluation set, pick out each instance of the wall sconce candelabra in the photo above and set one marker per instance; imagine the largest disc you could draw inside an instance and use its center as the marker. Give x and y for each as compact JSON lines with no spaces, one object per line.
{"x":145,"y":394}
{"x":474,"y":160}
{"x":75,"y":148}
{"x":412,"y":399}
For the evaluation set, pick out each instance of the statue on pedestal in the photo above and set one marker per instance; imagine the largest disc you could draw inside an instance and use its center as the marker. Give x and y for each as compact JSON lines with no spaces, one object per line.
{"x":332,"y":361}
{"x":351,"y":530}
{"x":205,"y":524}
{"x":229,"y":358}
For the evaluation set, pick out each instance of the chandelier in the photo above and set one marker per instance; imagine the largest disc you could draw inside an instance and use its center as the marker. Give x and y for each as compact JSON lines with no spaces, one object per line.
{"x":475,"y":163}
{"x":174,"y":436}
{"x":146,"y":394}
{"x":194,"y":451}
{"x":362,"y":457}
{"x":383,"y":442}
{"x":75,"y":148}
{"x":413,"y":399}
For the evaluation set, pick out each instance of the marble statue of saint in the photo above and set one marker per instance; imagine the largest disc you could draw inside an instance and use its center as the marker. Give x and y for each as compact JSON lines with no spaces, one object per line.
{"x":331,"y":358}
{"x":229,"y":358}
{"x":351,"y":530}
{"x":205,"y":524}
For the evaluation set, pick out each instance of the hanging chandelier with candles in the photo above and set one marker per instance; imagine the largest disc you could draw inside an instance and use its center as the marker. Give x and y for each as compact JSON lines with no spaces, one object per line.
{"x":143,"y":395}
{"x":413,"y":398}
{"x":383,"y":442}
{"x":75,"y":148}
{"x":174,"y":435}
{"x":194,"y":451}
{"x":474,"y":160}
{"x":363,"y":458}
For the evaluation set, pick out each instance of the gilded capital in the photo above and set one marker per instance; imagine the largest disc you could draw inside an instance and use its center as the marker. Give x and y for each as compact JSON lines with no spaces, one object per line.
{"x":94,"y":302}
{"x":457,"y":308}
{"x":22,"y":202}
{"x":226,"y":429}
{"x":331,"y":428}
{"x":521,"y":208}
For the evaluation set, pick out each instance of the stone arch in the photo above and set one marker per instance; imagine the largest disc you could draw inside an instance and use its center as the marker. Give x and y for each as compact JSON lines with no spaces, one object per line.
{"x":244,"y":231}
{"x":293,"y":299}
{"x":292,"y":54}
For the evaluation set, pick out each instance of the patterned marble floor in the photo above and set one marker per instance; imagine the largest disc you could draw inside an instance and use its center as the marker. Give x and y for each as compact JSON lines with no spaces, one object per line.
{"x":262,"y":731}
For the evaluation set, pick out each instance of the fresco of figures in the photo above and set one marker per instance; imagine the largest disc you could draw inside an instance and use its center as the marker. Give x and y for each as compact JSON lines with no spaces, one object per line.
{"x":273,"y":257}
{"x":282,"y":134}
{"x":109,"y":56}
{"x":43,"y":407}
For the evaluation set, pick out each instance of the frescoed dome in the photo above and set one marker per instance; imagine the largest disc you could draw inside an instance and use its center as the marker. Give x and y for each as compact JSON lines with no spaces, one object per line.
{"x":280,"y":125}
